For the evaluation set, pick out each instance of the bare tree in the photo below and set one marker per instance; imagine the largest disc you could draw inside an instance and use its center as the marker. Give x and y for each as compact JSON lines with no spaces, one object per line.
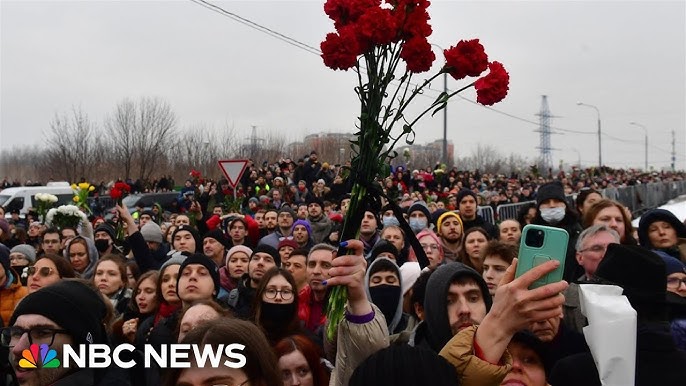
{"x":69,"y":147}
{"x":121,"y":134}
{"x":155,"y":133}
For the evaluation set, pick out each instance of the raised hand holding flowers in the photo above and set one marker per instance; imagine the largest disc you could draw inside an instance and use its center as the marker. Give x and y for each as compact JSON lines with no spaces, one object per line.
{"x":81,"y":192}
{"x":372,"y":38}
{"x":45,"y":201}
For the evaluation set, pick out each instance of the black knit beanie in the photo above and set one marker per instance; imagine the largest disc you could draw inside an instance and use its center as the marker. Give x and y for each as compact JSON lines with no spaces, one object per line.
{"x":199,"y":258}
{"x":73,"y":305}
{"x":268,"y":249}
{"x":193,"y":232}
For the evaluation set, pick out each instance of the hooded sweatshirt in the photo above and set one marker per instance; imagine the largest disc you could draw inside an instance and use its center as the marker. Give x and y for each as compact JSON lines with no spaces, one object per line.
{"x":92,"y":257}
{"x":392,"y":321}
{"x":436,"y":330}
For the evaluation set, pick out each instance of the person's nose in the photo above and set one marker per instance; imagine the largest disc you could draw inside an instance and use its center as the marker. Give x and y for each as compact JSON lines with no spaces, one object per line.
{"x":21,"y":345}
{"x":295,"y":380}
{"x":464,"y":310}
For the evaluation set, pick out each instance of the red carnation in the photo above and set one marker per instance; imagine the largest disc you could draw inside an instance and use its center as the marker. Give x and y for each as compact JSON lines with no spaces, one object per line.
{"x":493,"y":87}
{"x":340,"y":50}
{"x":467,"y":58}
{"x":417,"y":54}
{"x":345,"y":12}
{"x":119,"y":191}
{"x":377,"y":27}
{"x":413,"y":21}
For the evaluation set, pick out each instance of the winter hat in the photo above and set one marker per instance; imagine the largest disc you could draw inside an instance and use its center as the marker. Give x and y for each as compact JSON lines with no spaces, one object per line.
{"x":200,"y":259}
{"x":268,"y":249}
{"x":409,"y":273}
{"x":404,"y":365}
{"x":672,"y":265}
{"x":304,"y":223}
{"x":107,"y":229}
{"x":152,"y":232}
{"x":654,"y":215}
{"x":176,"y":258}
{"x":421,"y":206}
{"x":550,"y":190}
{"x":150,"y":213}
{"x":193,"y":232}
{"x":5,"y":226}
{"x":26,"y":250}
{"x":314,"y":200}
{"x":60,"y":302}
{"x":218,"y":235}
{"x":235,"y":249}
{"x":383,"y":246}
{"x":434,"y":237}
{"x":463,"y":193}
{"x":445,"y":216}
{"x":287,"y":242}
{"x":254,"y":199}
{"x":287,"y":209}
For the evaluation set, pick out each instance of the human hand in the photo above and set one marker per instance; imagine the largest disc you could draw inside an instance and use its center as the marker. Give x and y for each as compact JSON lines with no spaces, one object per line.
{"x":349,"y":270}
{"x":516,"y":306}
{"x":129,"y":329}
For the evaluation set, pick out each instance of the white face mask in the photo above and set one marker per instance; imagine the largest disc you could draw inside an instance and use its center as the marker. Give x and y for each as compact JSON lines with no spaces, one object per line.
{"x":417,"y":224}
{"x":553,"y":215}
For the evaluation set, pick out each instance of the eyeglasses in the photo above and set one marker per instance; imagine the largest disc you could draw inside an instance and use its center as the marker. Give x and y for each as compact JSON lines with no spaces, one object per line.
{"x":431,"y":246}
{"x":675,"y":282}
{"x":49,"y":241}
{"x":39,"y":335}
{"x":595,"y":248}
{"x":285,"y":238}
{"x":286,"y":294}
{"x":43,"y":271}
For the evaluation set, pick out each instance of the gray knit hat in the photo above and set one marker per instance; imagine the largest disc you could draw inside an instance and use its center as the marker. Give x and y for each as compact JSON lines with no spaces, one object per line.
{"x":152,"y":232}
{"x":176,"y":257}
{"x":26,"y":250}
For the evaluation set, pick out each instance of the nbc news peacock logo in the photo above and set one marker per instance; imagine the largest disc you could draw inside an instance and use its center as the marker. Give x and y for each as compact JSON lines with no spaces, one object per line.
{"x":39,"y":357}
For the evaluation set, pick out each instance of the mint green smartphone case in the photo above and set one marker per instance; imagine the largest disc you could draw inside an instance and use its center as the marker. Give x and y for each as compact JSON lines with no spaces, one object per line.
{"x":553,"y":247}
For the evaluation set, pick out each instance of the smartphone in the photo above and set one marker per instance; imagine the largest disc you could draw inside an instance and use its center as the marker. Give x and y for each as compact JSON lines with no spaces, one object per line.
{"x":540,"y":244}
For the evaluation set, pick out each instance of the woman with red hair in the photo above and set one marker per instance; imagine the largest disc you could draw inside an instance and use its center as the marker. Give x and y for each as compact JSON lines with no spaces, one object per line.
{"x":300,"y":362}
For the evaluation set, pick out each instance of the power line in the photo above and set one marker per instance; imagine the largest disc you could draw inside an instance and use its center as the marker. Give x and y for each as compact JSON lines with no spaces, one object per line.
{"x":258,"y":27}
{"x":315,"y":51}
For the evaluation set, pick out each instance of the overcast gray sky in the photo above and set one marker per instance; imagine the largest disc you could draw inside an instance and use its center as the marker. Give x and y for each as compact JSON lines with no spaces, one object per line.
{"x":626,"y":58}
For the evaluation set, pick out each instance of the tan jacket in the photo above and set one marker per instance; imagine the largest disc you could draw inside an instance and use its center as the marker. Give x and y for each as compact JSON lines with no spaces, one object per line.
{"x":355,"y":343}
{"x":10,"y":297}
{"x":471,"y":370}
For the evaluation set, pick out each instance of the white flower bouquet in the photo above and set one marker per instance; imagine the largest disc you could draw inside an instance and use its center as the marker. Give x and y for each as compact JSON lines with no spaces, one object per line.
{"x":65,"y":216}
{"x":44,"y":201}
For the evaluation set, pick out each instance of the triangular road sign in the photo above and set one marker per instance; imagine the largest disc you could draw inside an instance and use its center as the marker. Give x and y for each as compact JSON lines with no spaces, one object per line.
{"x":233,"y":169}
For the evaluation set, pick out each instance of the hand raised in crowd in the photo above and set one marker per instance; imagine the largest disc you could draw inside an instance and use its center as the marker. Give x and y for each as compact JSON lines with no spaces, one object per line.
{"x":124,"y":214}
{"x":516,"y":306}
{"x":349,"y":270}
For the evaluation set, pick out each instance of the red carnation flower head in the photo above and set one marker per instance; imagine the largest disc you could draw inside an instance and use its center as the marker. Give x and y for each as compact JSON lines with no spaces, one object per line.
{"x":467,"y":58}
{"x":119,"y":190}
{"x":345,"y":12}
{"x":413,"y":20}
{"x":340,"y":50}
{"x":417,"y":54}
{"x":377,"y":26}
{"x":493,"y":87}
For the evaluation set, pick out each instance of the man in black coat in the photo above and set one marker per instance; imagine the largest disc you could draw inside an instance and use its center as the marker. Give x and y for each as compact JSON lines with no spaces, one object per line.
{"x":641,"y":273}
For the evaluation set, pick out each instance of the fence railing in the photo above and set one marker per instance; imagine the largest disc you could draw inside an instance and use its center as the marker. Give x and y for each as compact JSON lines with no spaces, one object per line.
{"x":638,"y":198}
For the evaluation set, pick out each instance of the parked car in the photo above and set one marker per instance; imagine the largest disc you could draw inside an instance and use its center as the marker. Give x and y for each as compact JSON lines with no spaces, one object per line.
{"x":23,"y":198}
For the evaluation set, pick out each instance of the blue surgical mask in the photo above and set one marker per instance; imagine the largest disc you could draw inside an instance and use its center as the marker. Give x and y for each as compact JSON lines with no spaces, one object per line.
{"x":390,"y":220}
{"x":417,"y":224}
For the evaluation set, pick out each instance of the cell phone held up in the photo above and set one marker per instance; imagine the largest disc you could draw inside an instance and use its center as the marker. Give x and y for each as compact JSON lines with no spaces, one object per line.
{"x":538,"y":245}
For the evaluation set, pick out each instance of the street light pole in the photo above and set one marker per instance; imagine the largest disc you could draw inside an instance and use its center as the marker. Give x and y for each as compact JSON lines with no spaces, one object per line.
{"x":445,"y":121}
{"x":645,"y":137}
{"x":444,"y":157}
{"x":600,"y":150}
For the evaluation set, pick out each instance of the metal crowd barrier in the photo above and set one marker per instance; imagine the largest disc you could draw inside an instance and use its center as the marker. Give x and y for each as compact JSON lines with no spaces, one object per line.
{"x":638,"y":198}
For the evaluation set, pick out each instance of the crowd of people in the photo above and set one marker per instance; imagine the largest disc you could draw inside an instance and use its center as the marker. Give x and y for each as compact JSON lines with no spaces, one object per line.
{"x":432,"y":294}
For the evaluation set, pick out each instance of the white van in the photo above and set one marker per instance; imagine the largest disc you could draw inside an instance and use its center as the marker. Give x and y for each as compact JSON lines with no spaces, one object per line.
{"x":23,"y":197}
